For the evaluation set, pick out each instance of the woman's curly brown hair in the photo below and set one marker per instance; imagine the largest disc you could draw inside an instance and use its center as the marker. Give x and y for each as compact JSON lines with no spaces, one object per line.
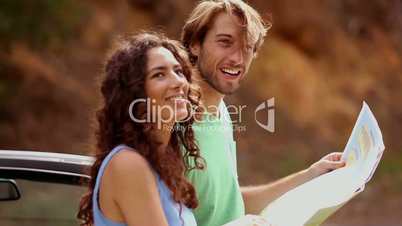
{"x":124,"y":82}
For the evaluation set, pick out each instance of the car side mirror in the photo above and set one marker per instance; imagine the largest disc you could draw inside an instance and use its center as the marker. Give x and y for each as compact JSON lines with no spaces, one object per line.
{"x":9,"y":190}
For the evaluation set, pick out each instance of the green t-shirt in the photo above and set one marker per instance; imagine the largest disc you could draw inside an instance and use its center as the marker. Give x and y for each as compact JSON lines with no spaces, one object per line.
{"x":217,"y":186}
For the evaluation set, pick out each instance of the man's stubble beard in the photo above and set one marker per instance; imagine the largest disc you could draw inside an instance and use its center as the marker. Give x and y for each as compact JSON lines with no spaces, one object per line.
{"x":208,"y":77}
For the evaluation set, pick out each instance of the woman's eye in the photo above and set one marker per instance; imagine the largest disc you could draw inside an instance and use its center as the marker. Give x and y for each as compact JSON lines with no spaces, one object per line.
{"x":158,"y":75}
{"x":179,"y":72}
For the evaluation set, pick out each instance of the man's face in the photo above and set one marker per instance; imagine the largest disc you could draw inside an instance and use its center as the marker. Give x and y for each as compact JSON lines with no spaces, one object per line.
{"x":225,"y":56}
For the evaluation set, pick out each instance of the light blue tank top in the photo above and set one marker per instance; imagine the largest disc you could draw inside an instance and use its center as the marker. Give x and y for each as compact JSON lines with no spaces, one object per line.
{"x":170,"y":207}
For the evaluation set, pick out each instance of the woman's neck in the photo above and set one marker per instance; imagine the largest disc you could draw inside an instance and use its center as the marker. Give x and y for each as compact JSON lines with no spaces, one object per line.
{"x":162,"y":134}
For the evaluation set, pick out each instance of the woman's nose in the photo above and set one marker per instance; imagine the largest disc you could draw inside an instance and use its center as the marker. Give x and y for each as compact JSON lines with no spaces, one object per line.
{"x":177,"y":80}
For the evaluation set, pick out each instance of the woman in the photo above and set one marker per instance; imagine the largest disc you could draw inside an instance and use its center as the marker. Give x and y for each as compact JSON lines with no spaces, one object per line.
{"x":138,"y":177}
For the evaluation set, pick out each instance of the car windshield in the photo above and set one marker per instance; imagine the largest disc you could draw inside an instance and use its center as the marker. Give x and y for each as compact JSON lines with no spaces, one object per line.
{"x":45,"y":204}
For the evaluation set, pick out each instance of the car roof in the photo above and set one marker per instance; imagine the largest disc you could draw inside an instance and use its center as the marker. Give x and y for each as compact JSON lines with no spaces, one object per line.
{"x":45,"y":166}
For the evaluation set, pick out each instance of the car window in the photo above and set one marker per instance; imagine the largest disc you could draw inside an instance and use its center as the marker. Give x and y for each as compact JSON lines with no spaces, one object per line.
{"x":42,"y":204}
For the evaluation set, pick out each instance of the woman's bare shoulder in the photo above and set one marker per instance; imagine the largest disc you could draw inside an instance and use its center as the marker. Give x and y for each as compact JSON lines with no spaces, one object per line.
{"x":128,"y":163}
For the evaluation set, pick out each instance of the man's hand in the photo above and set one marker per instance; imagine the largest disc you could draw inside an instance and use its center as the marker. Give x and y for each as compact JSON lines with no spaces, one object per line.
{"x":256,"y":198}
{"x":328,"y":163}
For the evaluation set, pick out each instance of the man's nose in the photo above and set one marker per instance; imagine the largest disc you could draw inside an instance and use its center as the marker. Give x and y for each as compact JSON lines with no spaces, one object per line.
{"x":237,"y":56}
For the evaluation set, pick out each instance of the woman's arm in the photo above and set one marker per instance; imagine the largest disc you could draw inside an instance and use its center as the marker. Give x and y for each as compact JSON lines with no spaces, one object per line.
{"x":135,"y":190}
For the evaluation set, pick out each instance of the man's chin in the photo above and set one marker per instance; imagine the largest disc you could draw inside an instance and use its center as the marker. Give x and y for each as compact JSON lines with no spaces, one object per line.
{"x":222,"y":89}
{"x":226,"y":90}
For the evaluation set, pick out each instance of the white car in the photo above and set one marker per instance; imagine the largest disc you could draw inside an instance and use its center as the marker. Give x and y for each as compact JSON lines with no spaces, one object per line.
{"x":41,"y":188}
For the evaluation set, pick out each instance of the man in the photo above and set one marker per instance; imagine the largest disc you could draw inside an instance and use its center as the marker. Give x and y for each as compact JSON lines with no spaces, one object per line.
{"x":222,"y":38}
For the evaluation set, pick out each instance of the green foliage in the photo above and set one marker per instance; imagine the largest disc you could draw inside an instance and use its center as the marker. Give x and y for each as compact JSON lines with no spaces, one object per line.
{"x":39,"y":23}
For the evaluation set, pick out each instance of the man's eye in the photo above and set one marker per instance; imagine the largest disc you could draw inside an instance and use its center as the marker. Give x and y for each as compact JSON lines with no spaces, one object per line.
{"x":225,"y":42}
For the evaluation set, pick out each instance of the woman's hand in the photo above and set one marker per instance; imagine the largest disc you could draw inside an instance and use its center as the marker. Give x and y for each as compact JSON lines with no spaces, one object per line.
{"x":249,"y":220}
{"x":328,"y":163}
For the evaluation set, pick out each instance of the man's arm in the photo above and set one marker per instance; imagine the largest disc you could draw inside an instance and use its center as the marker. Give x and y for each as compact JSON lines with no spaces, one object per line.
{"x":256,"y":198}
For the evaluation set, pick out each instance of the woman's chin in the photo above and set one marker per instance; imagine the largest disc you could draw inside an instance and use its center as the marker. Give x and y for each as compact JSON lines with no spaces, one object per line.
{"x":181,"y":115}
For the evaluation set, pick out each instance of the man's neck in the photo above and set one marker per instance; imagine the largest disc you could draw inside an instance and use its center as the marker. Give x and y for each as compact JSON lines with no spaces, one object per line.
{"x":210,"y":97}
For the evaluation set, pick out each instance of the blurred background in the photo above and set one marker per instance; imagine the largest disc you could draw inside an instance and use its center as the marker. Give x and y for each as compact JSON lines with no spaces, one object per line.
{"x":320,"y":60}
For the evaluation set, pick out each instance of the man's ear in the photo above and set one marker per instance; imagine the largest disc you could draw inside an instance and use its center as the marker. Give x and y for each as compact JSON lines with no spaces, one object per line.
{"x":195,"y":49}
{"x":255,"y":55}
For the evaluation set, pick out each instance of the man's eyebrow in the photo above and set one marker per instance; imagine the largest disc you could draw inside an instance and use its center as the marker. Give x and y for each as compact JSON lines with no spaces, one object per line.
{"x":223,"y":36}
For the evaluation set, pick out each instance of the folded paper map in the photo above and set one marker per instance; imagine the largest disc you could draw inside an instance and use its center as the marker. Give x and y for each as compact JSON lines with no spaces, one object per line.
{"x":313,"y":202}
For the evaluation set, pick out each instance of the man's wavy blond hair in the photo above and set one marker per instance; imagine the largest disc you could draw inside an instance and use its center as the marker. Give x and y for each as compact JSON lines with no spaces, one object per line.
{"x":203,"y":15}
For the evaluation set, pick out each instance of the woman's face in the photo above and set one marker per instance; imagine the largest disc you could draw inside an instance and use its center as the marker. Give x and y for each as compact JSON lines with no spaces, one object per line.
{"x":166,"y":86}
